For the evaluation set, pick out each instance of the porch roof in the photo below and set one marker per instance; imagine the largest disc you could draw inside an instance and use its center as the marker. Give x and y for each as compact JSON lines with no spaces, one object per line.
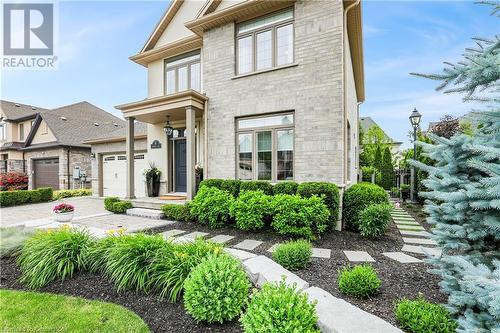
{"x":155,"y":110}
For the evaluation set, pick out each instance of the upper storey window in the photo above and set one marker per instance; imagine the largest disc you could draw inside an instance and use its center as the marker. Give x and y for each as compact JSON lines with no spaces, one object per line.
{"x":183,"y":73}
{"x":265,"y":42}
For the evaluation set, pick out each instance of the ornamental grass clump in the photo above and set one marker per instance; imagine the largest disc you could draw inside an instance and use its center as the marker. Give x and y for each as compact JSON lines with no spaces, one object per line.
{"x":216,"y":290}
{"x":53,"y":254}
{"x":293,"y":255}
{"x":251,"y":210}
{"x":172,"y":265}
{"x":421,"y":316}
{"x":359,"y":281}
{"x":128,"y":260}
{"x":279,"y":308}
{"x":12,"y":240}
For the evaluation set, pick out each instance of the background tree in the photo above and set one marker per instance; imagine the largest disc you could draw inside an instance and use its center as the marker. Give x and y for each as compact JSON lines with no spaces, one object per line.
{"x":447,"y":127}
{"x":371,"y":140}
{"x":387,"y":169}
{"x":464,"y":193}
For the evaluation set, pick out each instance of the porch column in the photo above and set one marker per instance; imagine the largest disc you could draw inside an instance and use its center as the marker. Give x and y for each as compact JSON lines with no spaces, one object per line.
{"x":129,"y":140}
{"x":190,"y":152}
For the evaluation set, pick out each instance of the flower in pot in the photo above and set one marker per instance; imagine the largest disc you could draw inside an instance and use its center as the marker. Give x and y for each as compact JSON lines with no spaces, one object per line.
{"x":63,"y":212}
{"x":152,"y":175}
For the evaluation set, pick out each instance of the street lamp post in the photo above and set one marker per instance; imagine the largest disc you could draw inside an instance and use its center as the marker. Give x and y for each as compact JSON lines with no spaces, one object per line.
{"x":414,"y":121}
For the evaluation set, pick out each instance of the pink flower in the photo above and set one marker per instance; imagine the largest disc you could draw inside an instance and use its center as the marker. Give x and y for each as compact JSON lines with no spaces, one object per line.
{"x":63,"y":208}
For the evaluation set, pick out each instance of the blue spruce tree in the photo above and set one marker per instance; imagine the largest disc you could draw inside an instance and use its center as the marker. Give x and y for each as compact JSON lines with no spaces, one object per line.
{"x":463,"y":197}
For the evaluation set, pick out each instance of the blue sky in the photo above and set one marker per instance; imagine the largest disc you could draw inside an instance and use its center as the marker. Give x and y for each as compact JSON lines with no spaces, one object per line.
{"x":96,"y":39}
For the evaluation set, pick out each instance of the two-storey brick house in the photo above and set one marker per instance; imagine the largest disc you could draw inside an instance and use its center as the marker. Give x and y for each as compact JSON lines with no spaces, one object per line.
{"x":252,"y":89}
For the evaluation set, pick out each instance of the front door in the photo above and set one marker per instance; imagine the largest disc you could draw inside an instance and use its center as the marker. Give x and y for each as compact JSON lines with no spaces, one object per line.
{"x":180,"y":165}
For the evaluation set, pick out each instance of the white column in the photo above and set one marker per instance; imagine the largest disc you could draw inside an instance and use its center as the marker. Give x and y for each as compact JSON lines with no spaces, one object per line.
{"x":190,"y":152}
{"x":129,"y":138}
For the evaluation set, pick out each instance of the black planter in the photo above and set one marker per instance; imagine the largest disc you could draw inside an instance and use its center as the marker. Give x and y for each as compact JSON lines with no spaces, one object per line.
{"x":153,"y":186}
{"x":405,"y":194}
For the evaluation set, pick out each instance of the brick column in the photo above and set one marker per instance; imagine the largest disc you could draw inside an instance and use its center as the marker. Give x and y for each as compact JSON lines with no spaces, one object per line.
{"x":129,"y":139}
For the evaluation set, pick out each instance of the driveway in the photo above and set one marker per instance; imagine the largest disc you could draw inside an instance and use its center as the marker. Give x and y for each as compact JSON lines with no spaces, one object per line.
{"x":84,"y":207}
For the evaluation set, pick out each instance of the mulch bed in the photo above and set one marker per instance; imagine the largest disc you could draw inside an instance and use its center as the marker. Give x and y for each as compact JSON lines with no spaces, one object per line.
{"x":398,"y":280}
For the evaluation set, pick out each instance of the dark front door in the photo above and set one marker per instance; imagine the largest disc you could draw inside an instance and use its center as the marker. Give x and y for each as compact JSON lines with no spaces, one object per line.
{"x":180,"y":165}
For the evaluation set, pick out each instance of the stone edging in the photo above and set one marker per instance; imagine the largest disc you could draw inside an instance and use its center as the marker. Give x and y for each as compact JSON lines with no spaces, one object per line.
{"x":335,"y":315}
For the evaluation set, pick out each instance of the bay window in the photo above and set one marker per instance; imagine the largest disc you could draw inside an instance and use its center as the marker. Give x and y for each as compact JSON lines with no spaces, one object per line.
{"x":183,"y":73}
{"x":265,"y":147}
{"x":265,"y":42}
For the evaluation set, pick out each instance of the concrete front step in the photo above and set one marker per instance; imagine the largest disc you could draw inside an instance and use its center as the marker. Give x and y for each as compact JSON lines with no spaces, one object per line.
{"x":145,"y":212}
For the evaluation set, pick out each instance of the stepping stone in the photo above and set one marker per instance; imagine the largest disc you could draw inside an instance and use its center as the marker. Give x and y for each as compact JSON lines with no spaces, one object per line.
{"x":262,"y":269}
{"x":182,"y":239}
{"x":154,"y":214}
{"x":421,"y":250}
{"x":221,"y":239}
{"x":415,"y":233}
{"x":423,"y":241}
{"x":240,"y":254}
{"x":172,"y":233}
{"x":272,"y":248}
{"x":401,"y":257}
{"x":410,"y":227}
{"x":321,"y":253}
{"x":248,"y":244}
{"x":195,"y":235}
{"x":358,"y":256}
{"x":403,"y":218}
{"x":407,"y":223}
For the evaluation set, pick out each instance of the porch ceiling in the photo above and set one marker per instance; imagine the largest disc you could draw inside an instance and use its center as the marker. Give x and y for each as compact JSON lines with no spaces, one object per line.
{"x":155,"y":110}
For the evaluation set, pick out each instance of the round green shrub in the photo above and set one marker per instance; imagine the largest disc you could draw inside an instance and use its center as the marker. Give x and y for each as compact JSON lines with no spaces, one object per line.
{"x":251,"y":209}
{"x":293,"y":255}
{"x":286,"y":187}
{"x":358,"y":197}
{"x":211,"y":206}
{"x":216,"y":290}
{"x":279,"y":308}
{"x":212,"y":182}
{"x":177,"y":212}
{"x":421,"y":316}
{"x":329,"y":192}
{"x":109,"y":202}
{"x":359,"y":281}
{"x":374,"y":220}
{"x":300,"y":217}
{"x":53,"y":254}
{"x":256,"y":185}
{"x":121,"y":207}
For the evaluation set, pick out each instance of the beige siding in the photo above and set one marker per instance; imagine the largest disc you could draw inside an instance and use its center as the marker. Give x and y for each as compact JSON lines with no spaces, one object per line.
{"x":155,"y":79}
{"x":43,"y":137}
{"x":227,"y":3}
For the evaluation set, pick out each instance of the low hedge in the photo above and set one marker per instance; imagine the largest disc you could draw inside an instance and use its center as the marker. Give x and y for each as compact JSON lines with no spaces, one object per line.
{"x":177,"y":212}
{"x":256,"y":185}
{"x":117,"y":206}
{"x":211,"y":206}
{"x":329,"y":192}
{"x":84,"y":192}
{"x":286,"y":187}
{"x":230,"y":185}
{"x":14,"y":198}
{"x":358,"y":197}
{"x":251,"y":210}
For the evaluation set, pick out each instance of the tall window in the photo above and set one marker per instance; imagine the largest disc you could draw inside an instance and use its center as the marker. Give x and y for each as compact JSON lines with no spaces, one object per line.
{"x":183,"y":73}
{"x":265,"y":147}
{"x":21,"y":132}
{"x":265,"y":42}
{"x":3,"y":130}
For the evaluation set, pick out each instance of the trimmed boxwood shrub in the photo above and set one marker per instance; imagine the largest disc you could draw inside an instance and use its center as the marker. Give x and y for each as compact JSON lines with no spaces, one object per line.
{"x":358,"y":197}
{"x":359,"y":281}
{"x":251,"y":209}
{"x":374,"y":220}
{"x":421,"y":316}
{"x":177,"y":212}
{"x":293,"y":255}
{"x":71,"y":193}
{"x":108,"y":203}
{"x":300,"y":217}
{"x":117,"y":206}
{"x":329,"y":192}
{"x":286,"y":187}
{"x":230,"y":185}
{"x":279,"y":308}
{"x":53,"y":254}
{"x":216,"y":290}
{"x":20,"y":197}
{"x":211,"y":206}
{"x":255,"y":185}
{"x":213,"y":182}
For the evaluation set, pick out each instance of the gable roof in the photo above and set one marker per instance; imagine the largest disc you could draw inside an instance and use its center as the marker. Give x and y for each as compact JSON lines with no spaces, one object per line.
{"x":140,"y":131}
{"x":367,"y":122}
{"x":16,"y":111}
{"x":73,"y":124}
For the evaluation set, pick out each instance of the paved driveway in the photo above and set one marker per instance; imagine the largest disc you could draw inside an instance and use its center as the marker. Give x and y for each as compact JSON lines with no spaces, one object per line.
{"x":84,"y":207}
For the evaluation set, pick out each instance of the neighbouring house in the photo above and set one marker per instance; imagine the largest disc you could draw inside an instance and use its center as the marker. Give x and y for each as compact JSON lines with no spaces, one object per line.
{"x":252,"y":90}
{"x":49,"y":144}
{"x":367,"y":122}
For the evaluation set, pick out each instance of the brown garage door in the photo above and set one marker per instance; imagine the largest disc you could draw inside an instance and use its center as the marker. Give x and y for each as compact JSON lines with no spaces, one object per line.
{"x":47,"y":173}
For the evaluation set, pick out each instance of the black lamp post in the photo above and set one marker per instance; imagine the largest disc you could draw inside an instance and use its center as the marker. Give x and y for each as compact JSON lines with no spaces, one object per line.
{"x":414,"y":121}
{"x":167,"y":128}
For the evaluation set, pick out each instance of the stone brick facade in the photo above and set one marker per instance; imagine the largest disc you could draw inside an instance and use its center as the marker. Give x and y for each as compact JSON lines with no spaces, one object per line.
{"x":312,"y":87}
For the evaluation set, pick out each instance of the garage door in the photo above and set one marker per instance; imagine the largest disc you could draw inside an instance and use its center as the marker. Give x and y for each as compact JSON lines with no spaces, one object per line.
{"x":114,"y":173}
{"x":46,"y":173}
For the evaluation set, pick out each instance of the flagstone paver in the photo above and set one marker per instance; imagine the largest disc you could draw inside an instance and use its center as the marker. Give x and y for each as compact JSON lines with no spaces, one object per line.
{"x":221,"y":239}
{"x":248,"y":244}
{"x":407,"y":223}
{"x":422,"y":241}
{"x":195,"y":234}
{"x":415,"y":233}
{"x":240,"y":254}
{"x":321,"y":253}
{"x":410,"y":227}
{"x":358,"y":256}
{"x":401,"y":257}
{"x":172,"y":233}
{"x":421,"y":250}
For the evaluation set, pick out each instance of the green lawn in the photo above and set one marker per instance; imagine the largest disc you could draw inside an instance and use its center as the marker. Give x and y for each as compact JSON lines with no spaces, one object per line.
{"x":41,"y":312}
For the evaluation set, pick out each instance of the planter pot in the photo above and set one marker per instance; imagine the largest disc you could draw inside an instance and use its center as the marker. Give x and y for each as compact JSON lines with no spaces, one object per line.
{"x":63,"y":217}
{"x":405,"y":194}
{"x":153,"y":186}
